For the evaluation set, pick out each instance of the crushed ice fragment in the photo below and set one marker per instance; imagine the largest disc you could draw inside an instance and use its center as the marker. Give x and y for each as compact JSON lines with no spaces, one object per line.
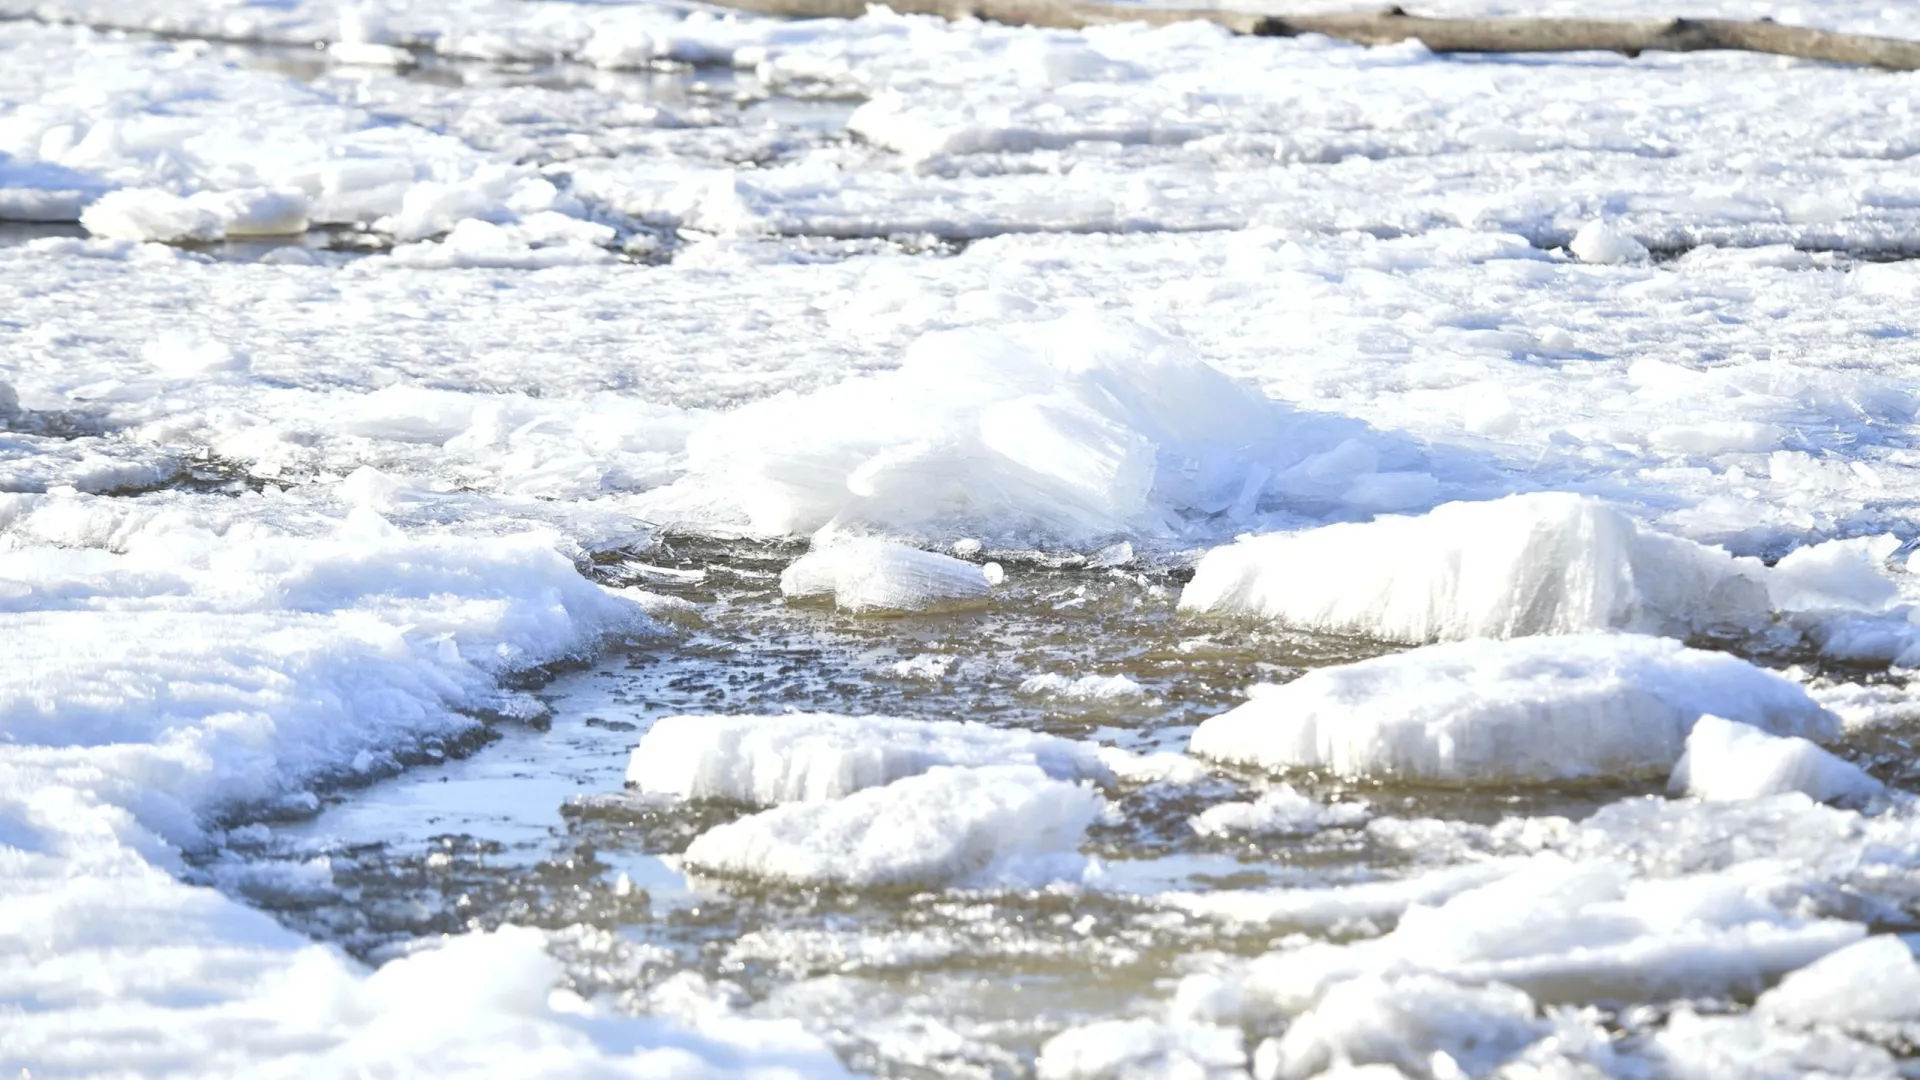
{"x":1725,"y":760}
{"x":874,"y":576}
{"x":1599,"y":242}
{"x":995,"y":825}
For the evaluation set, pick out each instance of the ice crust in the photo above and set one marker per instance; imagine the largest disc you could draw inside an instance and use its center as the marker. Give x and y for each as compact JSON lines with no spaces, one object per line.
{"x":1526,"y":564}
{"x":1727,"y":760}
{"x":874,"y":576}
{"x":992,"y":825}
{"x":1528,"y":709}
{"x":766,"y":760}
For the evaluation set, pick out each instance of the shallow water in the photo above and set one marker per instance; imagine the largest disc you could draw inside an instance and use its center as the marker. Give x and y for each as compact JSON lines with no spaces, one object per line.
{"x":537,"y":827}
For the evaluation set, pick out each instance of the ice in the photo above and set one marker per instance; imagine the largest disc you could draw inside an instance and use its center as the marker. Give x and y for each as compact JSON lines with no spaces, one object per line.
{"x":1281,"y":811}
{"x":1362,"y":257}
{"x":1337,"y":906}
{"x":1871,"y":981}
{"x":1142,"y":1048}
{"x":767,"y":760}
{"x":1696,"y":1047}
{"x":1062,"y":432}
{"x":993,"y":825}
{"x":1527,"y":564}
{"x":1083,"y":688}
{"x":877,"y":577}
{"x":1849,"y":575}
{"x":208,"y":671}
{"x":1528,"y":709}
{"x":1598,"y":242}
{"x":1725,"y":760}
{"x":1407,"y":1023}
{"x":1571,"y":931}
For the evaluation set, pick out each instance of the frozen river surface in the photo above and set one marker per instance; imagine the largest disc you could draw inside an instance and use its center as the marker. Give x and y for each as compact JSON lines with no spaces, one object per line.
{"x":603,"y":539}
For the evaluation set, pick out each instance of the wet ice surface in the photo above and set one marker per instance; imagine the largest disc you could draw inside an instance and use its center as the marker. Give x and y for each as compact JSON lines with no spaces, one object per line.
{"x":519,"y":374}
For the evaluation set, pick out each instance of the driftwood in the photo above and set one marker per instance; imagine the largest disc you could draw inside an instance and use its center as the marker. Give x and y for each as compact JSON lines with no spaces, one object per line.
{"x":1494,"y":35}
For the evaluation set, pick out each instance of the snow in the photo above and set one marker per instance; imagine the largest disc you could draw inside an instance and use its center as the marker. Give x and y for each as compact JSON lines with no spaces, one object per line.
{"x":765,"y":760}
{"x":1598,"y":242}
{"x":161,"y":675}
{"x":1407,"y":1023}
{"x":1060,"y":431}
{"x":1561,"y":931}
{"x":1082,"y":688}
{"x":1281,"y":811}
{"x":1728,"y":760}
{"x":992,"y":825}
{"x":1871,"y":981}
{"x":874,"y":576}
{"x":1526,"y":564}
{"x":1111,"y":1049}
{"x":1529,"y":709}
{"x":1181,"y":288}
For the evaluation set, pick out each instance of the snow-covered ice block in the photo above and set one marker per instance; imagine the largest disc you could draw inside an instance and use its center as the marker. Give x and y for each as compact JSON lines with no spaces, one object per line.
{"x":1528,"y":709}
{"x":1570,"y":930}
{"x":150,"y":214}
{"x":1084,"y":688}
{"x":1142,"y":1047}
{"x":1599,"y":242}
{"x":1843,"y":575}
{"x":1725,"y":760}
{"x":1282,"y":811}
{"x":803,"y":757}
{"x":1404,"y":1022}
{"x":1067,"y":431}
{"x":257,"y":211}
{"x":1870,"y":981}
{"x":1548,"y":563}
{"x":877,"y":576}
{"x":995,"y":825}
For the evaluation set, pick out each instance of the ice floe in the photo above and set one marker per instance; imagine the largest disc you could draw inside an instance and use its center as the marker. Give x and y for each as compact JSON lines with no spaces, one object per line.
{"x":992,"y":825}
{"x":875,"y":576}
{"x":1874,"y":981}
{"x":1727,"y":760}
{"x":1112,"y":1049}
{"x":1528,"y":709}
{"x":1061,"y":432}
{"x":1526,"y":564}
{"x":1282,"y":810}
{"x":767,"y":760}
{"x":1565,"y":931}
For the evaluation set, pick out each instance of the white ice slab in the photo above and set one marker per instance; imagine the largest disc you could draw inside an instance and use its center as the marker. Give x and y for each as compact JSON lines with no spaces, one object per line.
{"x":1529,"y":709}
